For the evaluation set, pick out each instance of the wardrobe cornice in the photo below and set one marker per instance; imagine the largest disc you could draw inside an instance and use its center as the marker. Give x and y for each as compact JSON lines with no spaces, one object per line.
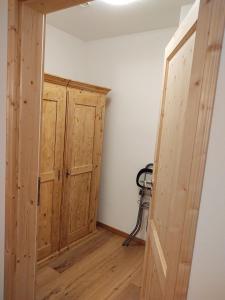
{"x":76,"y":84}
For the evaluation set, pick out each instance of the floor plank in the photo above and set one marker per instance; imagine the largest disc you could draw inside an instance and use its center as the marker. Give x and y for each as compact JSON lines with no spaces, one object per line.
{"x":131,"y":292}
{"x":45,"y":276}
{"x":98,"y":268}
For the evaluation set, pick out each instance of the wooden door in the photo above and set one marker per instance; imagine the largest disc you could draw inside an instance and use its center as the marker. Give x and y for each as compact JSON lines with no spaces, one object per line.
{"x":190,"y":76}
{"x":84,"y":134}
{"x":51,"y":167}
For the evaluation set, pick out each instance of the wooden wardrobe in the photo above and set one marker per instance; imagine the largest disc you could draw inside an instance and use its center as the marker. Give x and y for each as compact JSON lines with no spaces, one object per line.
{"x":70,"y":159}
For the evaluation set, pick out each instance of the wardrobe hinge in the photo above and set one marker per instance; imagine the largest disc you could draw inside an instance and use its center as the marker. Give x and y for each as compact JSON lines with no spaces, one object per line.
{"x":59,"y":174}
{"x":39,"y":193}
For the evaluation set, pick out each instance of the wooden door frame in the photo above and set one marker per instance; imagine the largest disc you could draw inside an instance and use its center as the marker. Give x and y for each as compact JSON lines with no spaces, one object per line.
{"x":26,"y":31}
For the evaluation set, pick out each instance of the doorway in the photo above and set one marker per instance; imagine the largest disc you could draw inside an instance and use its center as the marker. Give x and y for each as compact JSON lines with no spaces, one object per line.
{"x":25,"y":119}
{"x":118,"y":198}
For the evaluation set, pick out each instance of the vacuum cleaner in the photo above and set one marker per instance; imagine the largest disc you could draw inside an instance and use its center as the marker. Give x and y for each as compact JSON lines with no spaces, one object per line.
{"x":144,"y":182}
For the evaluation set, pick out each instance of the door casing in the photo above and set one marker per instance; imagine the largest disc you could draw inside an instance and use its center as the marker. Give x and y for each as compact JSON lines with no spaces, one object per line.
{"x":26,"y":24}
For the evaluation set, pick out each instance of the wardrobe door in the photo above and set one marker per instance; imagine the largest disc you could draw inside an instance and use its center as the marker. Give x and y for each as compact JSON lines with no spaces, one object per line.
{"x":84,"y":134}
{"x":51,"y":166}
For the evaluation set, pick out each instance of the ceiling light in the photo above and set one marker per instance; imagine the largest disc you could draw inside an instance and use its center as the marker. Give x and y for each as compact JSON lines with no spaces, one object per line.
{"x":118,"y":2}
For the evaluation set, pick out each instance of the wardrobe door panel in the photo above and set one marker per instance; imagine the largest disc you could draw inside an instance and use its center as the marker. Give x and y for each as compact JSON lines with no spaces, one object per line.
{"x":84,"y":130}
{"x":80,"y":137}
{"x":45,"y":218}
{"x":79,"y":202}
{"x":51,"y":165}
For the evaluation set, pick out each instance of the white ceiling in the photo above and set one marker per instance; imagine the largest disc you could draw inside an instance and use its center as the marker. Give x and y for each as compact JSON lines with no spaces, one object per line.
{"x":101,"y":20}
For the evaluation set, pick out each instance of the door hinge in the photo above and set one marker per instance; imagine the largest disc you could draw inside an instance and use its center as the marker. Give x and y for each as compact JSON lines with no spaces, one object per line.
{"x":39,"y":191}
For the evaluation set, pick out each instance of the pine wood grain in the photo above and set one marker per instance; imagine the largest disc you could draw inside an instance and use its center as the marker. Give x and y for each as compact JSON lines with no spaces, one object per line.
{"x":51,"y":168}
{"x":82,"y":160}
{"x":70,"y":156}
{"x":191,"y":67}
{"x":12,"y":138}
{"x":76,"y":84}
{"x":26,"y":98}
{"x":26,"y":24}
{"x":25,"y":60}
{"x":48,"y":6}
{"x":97,"y":268}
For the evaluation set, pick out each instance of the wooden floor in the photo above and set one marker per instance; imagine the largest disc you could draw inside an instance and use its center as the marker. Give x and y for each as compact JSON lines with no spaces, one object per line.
{"x":97,"y":268}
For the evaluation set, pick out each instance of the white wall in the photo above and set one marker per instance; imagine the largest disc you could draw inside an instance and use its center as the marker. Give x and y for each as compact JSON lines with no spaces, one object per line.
{"x":184,"y":11}
{"x":3,"y":64}
{"x":132,"y":66}
{"x":64,"y":54}
{"x":208,"y":270}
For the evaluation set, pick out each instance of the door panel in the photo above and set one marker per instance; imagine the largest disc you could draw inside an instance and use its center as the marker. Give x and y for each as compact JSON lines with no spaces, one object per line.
{"x":174,"y":164}
{"x":79,"y":203}
{"x":83,"y":135}
{"x":49,"y":118}
{"x":51,"y":165}
{"x":181,"y":150}
{"x":85,"y":112}
{"x":45,"y":216}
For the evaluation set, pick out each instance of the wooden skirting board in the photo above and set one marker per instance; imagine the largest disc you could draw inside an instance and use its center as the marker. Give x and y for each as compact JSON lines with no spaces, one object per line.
{"x":119,"y":232}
